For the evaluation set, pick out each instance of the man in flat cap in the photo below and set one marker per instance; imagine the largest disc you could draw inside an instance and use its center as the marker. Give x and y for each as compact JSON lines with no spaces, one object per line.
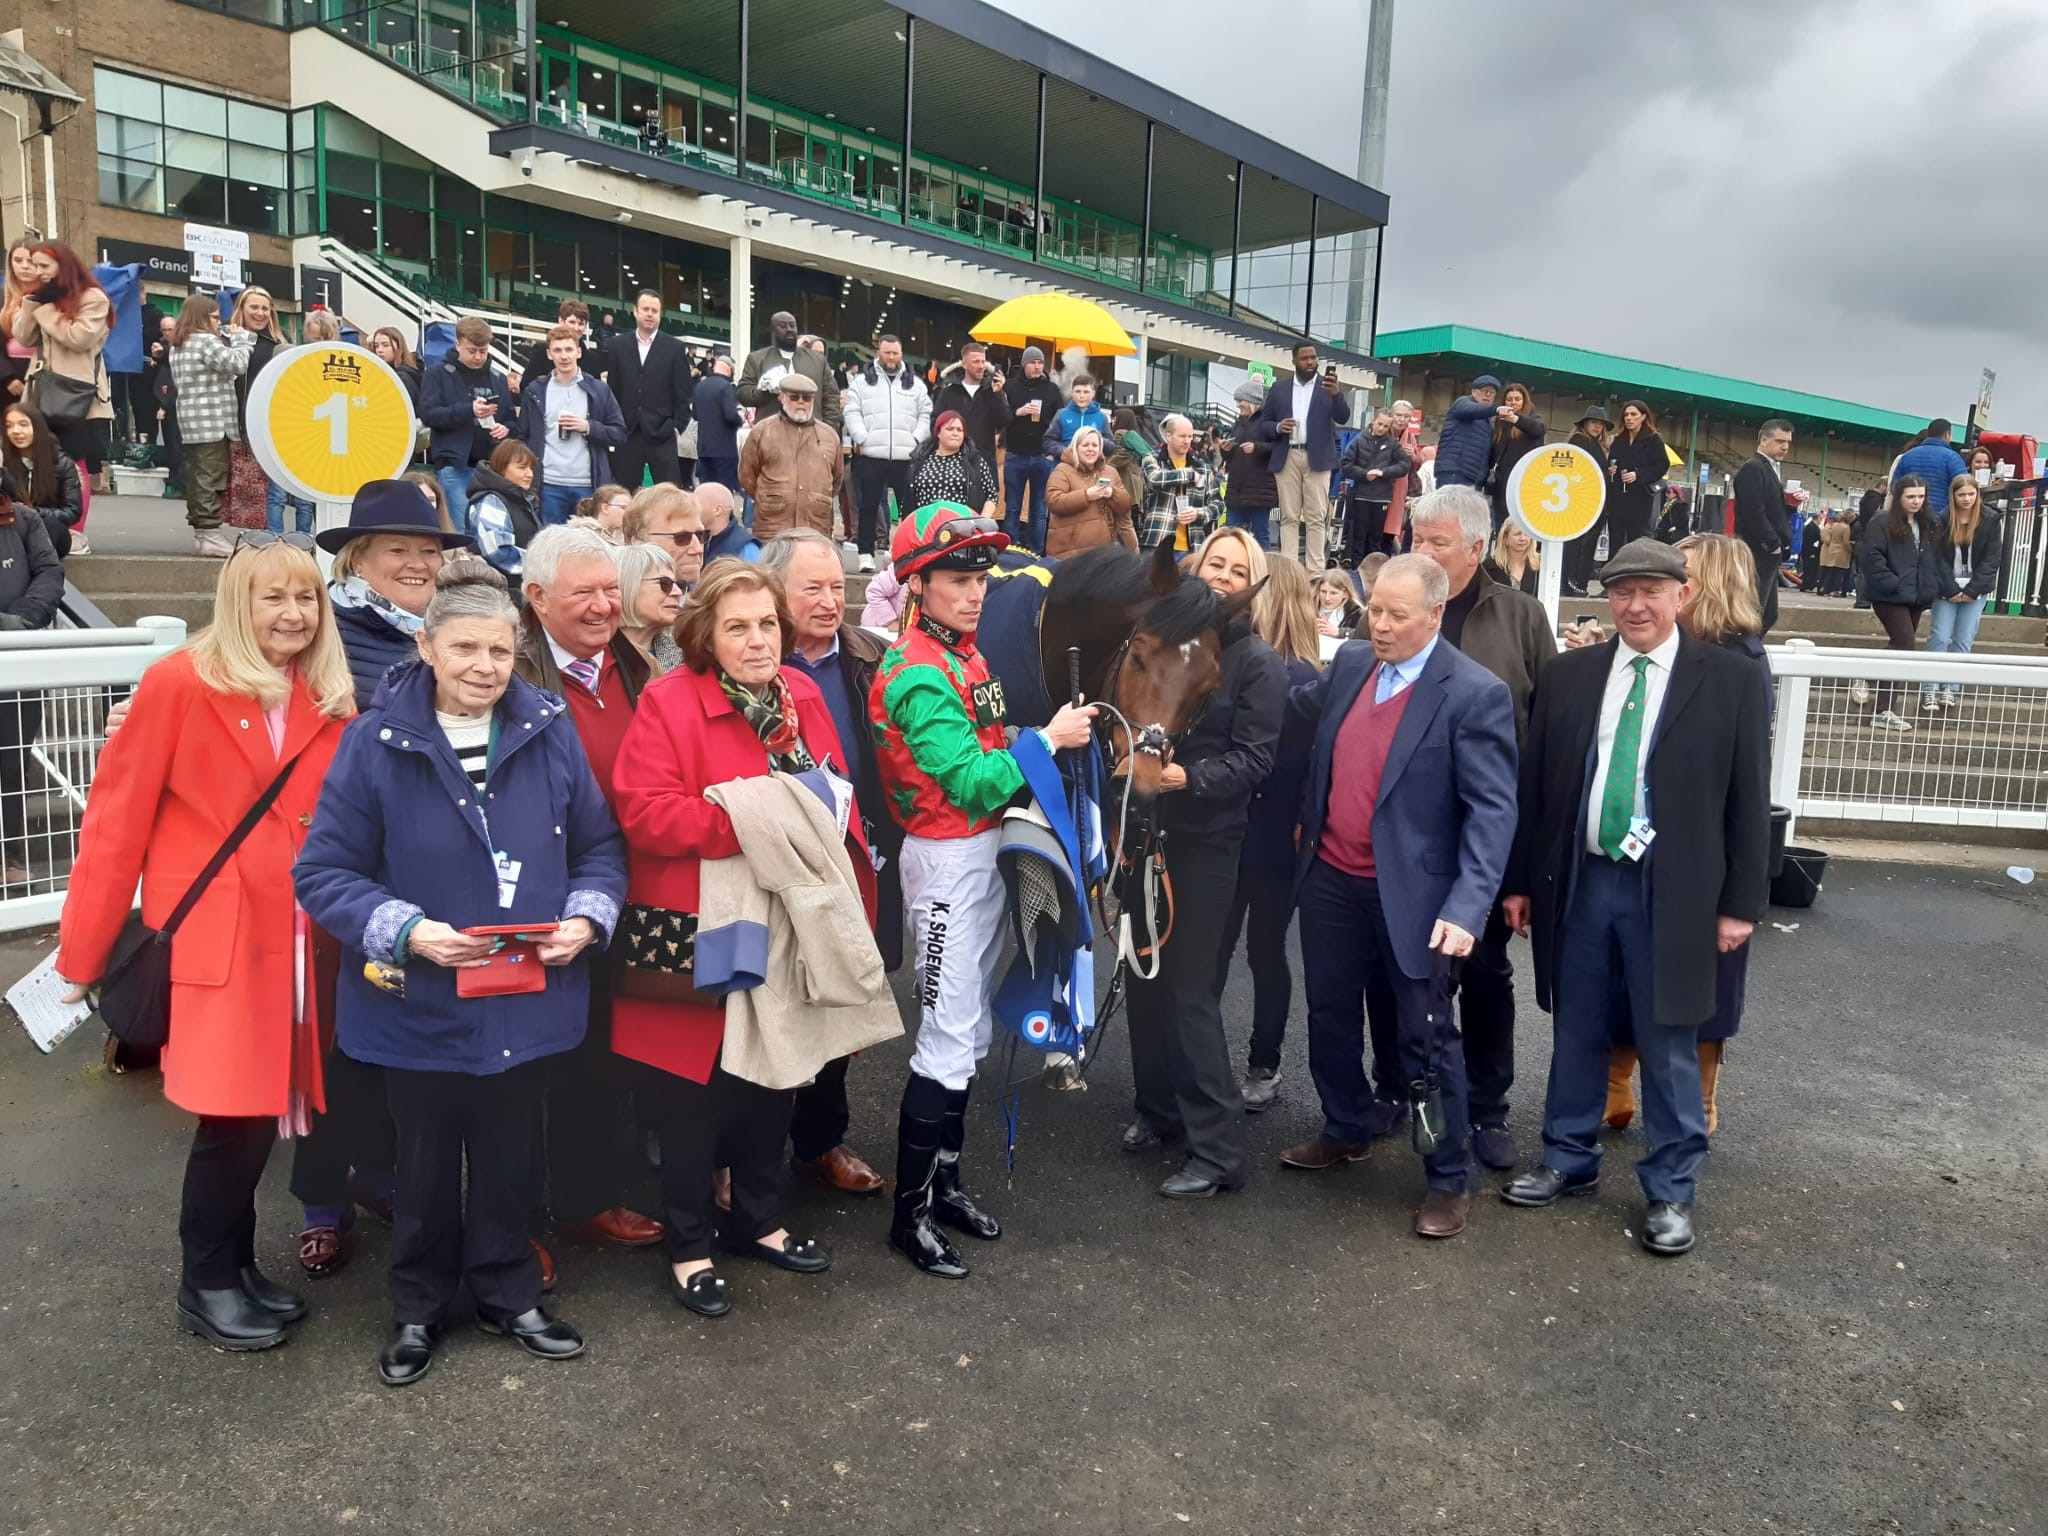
{"x":790,"y":463}
{"x":1641,"y":852}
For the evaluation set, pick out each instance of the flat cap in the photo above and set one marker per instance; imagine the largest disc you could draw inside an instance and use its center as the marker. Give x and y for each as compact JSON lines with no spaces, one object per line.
{"x":1644,"y":557}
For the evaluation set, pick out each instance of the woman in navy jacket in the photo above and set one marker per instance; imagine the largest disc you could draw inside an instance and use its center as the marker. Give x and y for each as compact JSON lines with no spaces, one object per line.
{"x":461,"y":798}
{"x":1901,"y":567}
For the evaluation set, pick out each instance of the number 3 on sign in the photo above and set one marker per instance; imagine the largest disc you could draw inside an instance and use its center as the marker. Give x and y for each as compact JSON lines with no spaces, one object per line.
{"x":1559,"y":499}
{"x":334,"y":411}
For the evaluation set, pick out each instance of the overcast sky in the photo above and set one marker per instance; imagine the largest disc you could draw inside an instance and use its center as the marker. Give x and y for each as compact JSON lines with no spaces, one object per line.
{"x":1840,"y":196}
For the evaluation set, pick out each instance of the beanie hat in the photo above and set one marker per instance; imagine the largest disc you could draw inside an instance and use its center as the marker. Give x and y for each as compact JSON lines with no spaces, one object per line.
{"x":1033,"y":355}
{"x":1252,"y":391}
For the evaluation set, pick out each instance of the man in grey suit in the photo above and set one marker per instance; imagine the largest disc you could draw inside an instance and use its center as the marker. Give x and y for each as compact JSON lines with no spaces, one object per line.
{"x":1413,"y":770}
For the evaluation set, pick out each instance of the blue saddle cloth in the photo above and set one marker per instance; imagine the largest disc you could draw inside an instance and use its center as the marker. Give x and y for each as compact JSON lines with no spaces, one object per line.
{"x":1008,"y":637}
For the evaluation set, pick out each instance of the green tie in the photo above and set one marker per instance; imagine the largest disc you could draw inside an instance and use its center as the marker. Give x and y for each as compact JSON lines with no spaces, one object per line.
{"x":1618,"y":796}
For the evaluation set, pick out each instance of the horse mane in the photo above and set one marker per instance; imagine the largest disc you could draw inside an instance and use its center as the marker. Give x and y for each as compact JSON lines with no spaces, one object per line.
{"x":1114,"y":577}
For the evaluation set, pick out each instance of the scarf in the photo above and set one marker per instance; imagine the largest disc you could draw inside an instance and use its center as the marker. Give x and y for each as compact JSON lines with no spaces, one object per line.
{"x":772,"y":714}
{"x":358,"y":593}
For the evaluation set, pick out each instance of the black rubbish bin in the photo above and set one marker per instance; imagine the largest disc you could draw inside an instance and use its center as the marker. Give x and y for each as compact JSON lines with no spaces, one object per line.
{"x":1799,"y":883}
{"x":1781,"y":822}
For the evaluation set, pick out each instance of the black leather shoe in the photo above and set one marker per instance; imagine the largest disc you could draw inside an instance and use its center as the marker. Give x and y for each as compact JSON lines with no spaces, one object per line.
{"x":409,"y":1354}
{"x":1185,"y":1185}
{"x":1494,"y":1145}
{"x":1546,"y":1185}
{"x":1140,"y":1137}
{"x":798,"y":1255}
{"x":704,"y":1293}
{"x":229,"y":1319}
{"x":286,"y":1305}
{"x":538,"y":1334}
{"x":1667,"y":1228}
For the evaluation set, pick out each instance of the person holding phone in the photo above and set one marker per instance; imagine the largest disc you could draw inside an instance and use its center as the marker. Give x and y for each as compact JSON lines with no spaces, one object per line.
{"x":462,"y":800}
{"x":466,"y":403}
{"x":1086,"y":501}
{"x":1299,"y":419}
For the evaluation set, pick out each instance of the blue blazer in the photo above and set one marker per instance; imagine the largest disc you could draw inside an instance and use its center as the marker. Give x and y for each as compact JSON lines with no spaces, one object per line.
{"x":1445,"y":817}
{"x":716,"y":409}
{"x":607,"y":427}
{"x":401,"y":833}
{"x":1326,"y":413}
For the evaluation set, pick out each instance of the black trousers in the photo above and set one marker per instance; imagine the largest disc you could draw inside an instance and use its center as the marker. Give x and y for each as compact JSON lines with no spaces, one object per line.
{"x":818,"y":1122}
{"x":1180,"y":1061}
{"x":172,"y":454}
{"x":725,"y":1123}
{"x":355,"y":1133}
{"x":642,"y":452}
{"x":872,"y":480}
{"x":447,"y":1235}
{"x":21,"y":717}
{"x":1579,"y":557}
{"x":1265,"y":895}
{"x":217,"y":1218}
{"x":586,"y":1134}
{"x":1486,"y":1008}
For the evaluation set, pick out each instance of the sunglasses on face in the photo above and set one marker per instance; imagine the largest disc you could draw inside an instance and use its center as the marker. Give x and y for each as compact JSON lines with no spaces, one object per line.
{"x":668,"y":584}
{"x":683,"y":536}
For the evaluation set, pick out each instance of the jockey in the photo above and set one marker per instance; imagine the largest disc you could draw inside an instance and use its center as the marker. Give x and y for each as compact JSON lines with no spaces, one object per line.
{"x":945,"y":765}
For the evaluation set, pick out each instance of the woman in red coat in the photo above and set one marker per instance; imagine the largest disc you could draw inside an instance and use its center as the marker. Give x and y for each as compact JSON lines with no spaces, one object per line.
{"x":731,"y":711}
{"x":212,"y":725}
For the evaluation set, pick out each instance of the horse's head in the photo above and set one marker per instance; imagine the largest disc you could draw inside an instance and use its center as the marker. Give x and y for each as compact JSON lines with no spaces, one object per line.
{"x":1162,"y":678}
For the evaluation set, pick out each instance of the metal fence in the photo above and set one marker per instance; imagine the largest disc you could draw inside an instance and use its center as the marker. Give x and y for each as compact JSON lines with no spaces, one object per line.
{"x":1979,"y":758}
{"x":56,"y":686}
{"x":2023,"y":573}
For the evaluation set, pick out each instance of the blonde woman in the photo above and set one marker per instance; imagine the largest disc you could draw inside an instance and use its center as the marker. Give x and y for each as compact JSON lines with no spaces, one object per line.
{"x":652,"y":598}
{"x":20,"y":282}
{"x":1515,"y":558}
{"x":1968,"y":550}
{"x":205,"y":365}
{"x":1284,"y":614}
{"x":252,"y":501}
{"x":1721,"y":608}
{"x":258,"y":698}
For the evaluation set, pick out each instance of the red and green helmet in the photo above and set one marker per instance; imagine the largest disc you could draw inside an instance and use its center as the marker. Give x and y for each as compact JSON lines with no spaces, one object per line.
{"x":944,"y":536}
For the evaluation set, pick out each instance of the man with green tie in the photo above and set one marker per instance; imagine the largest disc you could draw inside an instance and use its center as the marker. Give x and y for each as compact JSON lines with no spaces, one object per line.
{"x":1641,"y":852}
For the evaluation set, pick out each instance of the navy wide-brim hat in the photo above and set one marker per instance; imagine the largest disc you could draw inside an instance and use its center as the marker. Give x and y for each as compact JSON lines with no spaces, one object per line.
{"x":392,"y":506}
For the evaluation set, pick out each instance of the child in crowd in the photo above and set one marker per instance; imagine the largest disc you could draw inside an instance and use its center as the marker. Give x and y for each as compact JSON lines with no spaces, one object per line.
{"x":1337,"y":611}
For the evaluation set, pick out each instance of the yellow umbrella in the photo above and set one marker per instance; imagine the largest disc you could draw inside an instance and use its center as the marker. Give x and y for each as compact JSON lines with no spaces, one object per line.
{"x":1063,"y":320}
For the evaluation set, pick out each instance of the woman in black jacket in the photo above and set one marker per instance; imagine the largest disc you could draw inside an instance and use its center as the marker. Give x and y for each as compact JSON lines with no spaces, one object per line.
{"x":1902,"y":579}
{"x":1514,"y":437}
{"x":39,"y":474}
{"x":31,"y":584}
{"x":1968,"y":552}
{"x":1636,"y":466}
{"x":1180,"y":1061}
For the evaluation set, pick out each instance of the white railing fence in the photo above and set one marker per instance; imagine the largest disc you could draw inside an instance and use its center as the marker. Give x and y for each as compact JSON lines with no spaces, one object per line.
{"x":1982,"y":761}
{"x":56,"y":686}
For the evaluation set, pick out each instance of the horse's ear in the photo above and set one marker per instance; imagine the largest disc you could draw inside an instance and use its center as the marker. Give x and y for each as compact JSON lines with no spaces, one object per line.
{"x":1237,"y":609}
{"x":1165,"y":570}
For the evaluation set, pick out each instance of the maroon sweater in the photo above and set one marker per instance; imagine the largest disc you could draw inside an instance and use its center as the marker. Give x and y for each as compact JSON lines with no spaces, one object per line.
{"x":601,"y":721}
{"x":1357,"y":763}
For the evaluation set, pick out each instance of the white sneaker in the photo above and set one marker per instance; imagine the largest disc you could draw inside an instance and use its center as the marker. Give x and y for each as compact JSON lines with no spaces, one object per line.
{"x":79,"y":543}
{"x":212,"y":543}
{"x":1890,"y":720}
{"x":1930,"y":704}
{"x":867,"y":565}
{"x":1859,"y":692}
{"x":1950,"y":700}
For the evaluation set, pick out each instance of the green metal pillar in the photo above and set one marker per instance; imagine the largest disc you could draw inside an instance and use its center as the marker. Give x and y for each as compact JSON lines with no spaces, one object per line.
{"x":1692,"y":448}
{"x":1821,"y":491}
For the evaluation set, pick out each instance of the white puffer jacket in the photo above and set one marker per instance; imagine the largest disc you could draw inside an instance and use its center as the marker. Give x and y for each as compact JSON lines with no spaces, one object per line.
{"x":887,"y":418}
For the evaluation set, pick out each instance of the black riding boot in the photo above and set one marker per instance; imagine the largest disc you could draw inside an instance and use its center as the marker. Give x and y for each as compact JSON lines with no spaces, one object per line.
{"x":950,"y":1203}
{"x":920,"y":1128}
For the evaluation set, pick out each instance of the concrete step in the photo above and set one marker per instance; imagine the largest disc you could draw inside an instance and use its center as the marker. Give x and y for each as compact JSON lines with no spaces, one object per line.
{"x":1840,"y":616}
{"x":1874,"y":639}
{"x":171,"y":574}
{"x":124,"y":608}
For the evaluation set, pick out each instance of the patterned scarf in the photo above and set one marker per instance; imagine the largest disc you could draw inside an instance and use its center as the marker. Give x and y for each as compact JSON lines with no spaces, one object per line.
{"x":772,"y":714}
{"x":358,"y":593}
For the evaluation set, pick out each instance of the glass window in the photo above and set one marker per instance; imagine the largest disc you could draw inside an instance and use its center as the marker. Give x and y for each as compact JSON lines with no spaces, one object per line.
{"x":348,"y":173}
{"x":248,"y":124}
{"x":352,"y":221}
{"x":406,"y":236}
{"x":127,"y":95}
{"x":456,"y":196}
{"x":718,"y":129}
{"x":191,"y":109}
{"x":554,"y":264}
{"x":130,"y":138}
{"x":597,"y":90}
{"x":202,"y":199}
{"x":254,"y":207}
{"x":187,"y":151}
{"x":405,"y":184}
{"x":264,"y":166}
{"x":346,"y":133}
{"x":131,"y":184}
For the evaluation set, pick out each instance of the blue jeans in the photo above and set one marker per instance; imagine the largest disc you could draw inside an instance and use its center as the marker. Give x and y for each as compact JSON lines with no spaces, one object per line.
{"x":274,"y":505}
{"x":558,"y":503}
{"x":1256,"y":521}
{"x":454,"y":483}
{"x":1024,"y":477}
{"x":1952,"y":627}
{"x":1604,"y":994}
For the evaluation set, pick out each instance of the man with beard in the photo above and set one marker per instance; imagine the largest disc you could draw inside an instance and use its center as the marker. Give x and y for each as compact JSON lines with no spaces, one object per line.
{"x":791,"y":464}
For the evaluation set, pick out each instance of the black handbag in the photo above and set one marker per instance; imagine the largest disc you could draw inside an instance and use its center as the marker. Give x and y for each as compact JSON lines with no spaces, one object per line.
{"x":63,"y":400}
{"x":135,"y":989}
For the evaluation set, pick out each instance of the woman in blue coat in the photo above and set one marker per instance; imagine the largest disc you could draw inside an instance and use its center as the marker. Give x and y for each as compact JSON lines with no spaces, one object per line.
{"x":462,"y":799}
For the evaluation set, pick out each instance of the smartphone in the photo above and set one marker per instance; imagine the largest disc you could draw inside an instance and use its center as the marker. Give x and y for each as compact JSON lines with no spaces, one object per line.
{"x":1102,"y":480}
{"x":1582,"y":620}
{"x":1330,"y":372}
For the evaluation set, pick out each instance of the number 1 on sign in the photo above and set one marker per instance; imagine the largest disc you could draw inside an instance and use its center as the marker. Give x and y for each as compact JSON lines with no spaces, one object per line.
{"x":1560,"y":489}
{"x":334,"y":411}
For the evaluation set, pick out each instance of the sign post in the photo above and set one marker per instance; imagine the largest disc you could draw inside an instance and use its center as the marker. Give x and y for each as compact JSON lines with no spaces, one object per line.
{"x":1556,"y":493}
{"x":327,"y":418}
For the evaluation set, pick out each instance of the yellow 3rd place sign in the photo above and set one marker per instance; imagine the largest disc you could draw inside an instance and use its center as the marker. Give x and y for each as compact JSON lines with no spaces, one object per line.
{"x":1557,"y":491}
{"x":327,"y":418}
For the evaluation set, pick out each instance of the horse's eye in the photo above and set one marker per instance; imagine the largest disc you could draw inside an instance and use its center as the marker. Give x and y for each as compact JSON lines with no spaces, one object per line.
{"x":1137,"y":661}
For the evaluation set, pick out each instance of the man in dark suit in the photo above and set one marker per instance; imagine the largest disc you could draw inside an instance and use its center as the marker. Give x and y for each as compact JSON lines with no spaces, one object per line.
{"x":786,"y":353}
{"x":650,"y":375}
{"x":1642,"y":852}
{"x":717,"y":410}
{"x":1300,"y":419}
{"x":1760,"y":510}
{"x":1413,"y":770}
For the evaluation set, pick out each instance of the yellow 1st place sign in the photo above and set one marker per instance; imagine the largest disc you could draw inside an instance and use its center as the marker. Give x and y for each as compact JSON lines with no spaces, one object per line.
{"x":327,"y":418}
{"x":1557,"y":491}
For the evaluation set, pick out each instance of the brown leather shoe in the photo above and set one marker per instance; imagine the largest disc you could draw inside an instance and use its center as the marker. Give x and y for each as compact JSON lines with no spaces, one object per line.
{"x":547,"y":1264}
{"x":843,"y":1168}
{"x":629,"y":1229}
{"x":325,"y":1251}
{"x":1442,"y":1214}
{"x":1321,"y":1152}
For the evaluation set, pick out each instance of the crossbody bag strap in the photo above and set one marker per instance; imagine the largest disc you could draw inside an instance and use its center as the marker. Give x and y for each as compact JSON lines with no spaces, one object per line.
{"x":227,"y":849}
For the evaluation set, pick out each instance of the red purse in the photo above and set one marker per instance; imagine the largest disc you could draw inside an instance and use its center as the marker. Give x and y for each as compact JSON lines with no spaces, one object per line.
{"x":512,"y":970}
